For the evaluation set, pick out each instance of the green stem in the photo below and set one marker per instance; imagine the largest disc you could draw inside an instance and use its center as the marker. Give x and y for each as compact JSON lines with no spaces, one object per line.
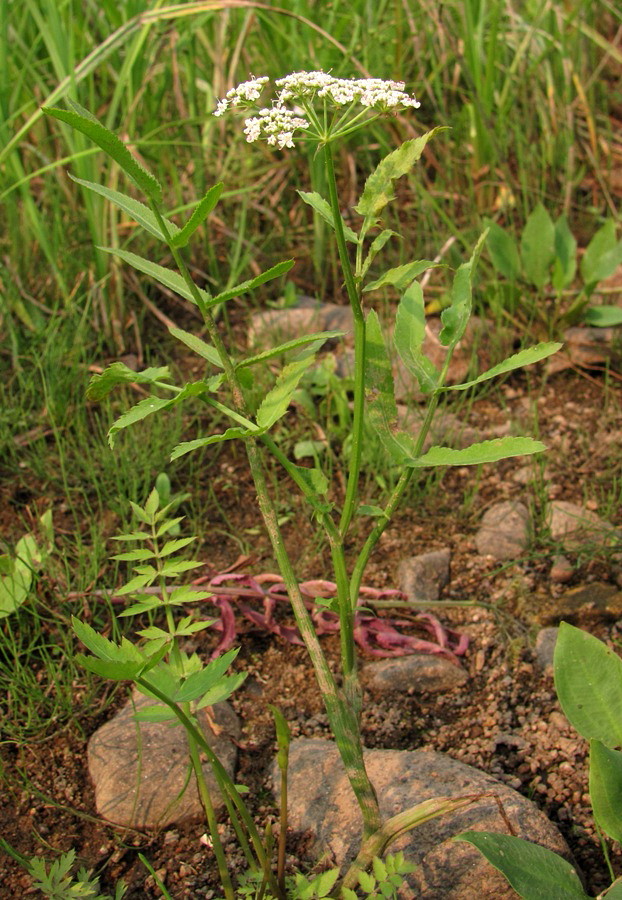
{"x":354,"y":296}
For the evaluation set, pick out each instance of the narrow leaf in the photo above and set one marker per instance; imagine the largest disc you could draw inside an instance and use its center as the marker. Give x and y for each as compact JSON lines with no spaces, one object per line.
{"x":199,"y":215}
{"x":150,"y":405}
{"x":588,"y":681}
{"x":408,"y":338}
{"x":565,"y":264}
{"x":198,"y":346}
{"x":525,"y":357}
{"x":252,"y":283}
{"x":112,"y":145}
{"x":606,"y":788}
{"x":289,"y":345}
{"x":401,"y":276}
{"x":376,"y":246}
{"x":380,"y":394}
{"x":119,"y":373}
{"x":323,"y":209}
{"x":171,"y":280}
{"x":199,"y":682}
{"x":175,"y":545}
{"x":134,"y":208}
{"x":378,"y":189}
{"x":228,"y":435}
{"x":476,"y":454}
{"x":456,"y":317}
{"x":538,"y":246}
{"x":275,"y":403}
{"x":533,"y":871}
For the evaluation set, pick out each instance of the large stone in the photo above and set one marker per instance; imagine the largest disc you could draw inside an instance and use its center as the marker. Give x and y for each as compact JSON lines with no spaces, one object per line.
{"x":504,"y":532}
{"x":321,"y":801}
{"x":416,"y":672}
{"x":574,"y":527}
{"x":423,"y":577}
{"x":140,"y":769}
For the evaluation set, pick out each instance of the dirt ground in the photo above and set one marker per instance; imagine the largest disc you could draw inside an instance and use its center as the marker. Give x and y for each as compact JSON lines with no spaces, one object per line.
{"x":506,"y":721}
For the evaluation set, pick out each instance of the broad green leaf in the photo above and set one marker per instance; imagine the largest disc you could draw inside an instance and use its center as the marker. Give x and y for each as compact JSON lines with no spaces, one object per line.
{"x":197,"y":345}
{"x":603,"y":316}
{"x":289,"y":345}
{"x":401,"y":276}
{"x":274,"y":405}
{"x":187,"y":594}
{"x":602,"y":255}
{"x":606,"y":788}
{"x":151,"y":405}
{"x":227,"y":686}
{"x":376,"y":246}
{"x":503,"y":251}
{"x":228,"y":435}
{"x":322,"y":208}
{"x":153,"y":503}
{"x":408,"y":338}
{"x":110,"y":144}
{"x":523,"y":358}
{"x":378,"y":189}
{"x":252,"y":283}
{"x":614,"y":892}
{"x":199,"y":215}
{"x":119,"y":373}
{"x":565,"y":265}
{"x":171,"y":280}
{"x":380,"y":869}
{"x":124,"y":670}
{"x":476,"y":454}
{"x":588,"y":681}
{"x":314,"y":479}
{"x":538,"y":246}
{"x":172,"y":568}
{"x":104,"y":649}
{"x":169,"y":525}
{"x":147,"y":602}
{"x":155,"y":713}
{"x":380,"y":394}
{"x":533,"y":871}
{"x":456,"y":317}
{"x":135,"y":584}
{"x":134,"y":208}
{"x":199,"y":682}
{"x":367,"y":510}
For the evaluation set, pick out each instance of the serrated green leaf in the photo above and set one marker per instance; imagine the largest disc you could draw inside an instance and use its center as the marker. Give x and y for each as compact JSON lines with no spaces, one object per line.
{"x":315,"y":480}
{"x":132,"y":536}
{"x":104,"y":649}
{"x":175,"y":545}
{"x":148,"y":602}
{"x":503,"y":251}
{"x":323,"y":209}
{"x":167,"y":277}
{"x":456,"y":317}
{"x":152,"y":632}
{"x":199,"y":215}
{"x":198,"y":346}
{"x":228,"y":435}
{"x":151,"y":405}
{"x":134,"y":555}
{"x":378,"y":189}
{"x":153,"y":503}
{"x":565,"y":264}
{"x":367,"y":881}
{"x":274,"y":405}
{"x":112,"y":670}
{"x":140,"y":513}
{"x":533,"y":871}
{"x":135,"y":584}
{"x":375,"y":247}
{"x":252,"y":283}
{"x":603,"y":316}
{"x":588,"y":681}
{"x":526,"y":357}
{"x":476,"y":454}
{"x":380,"y":395}
{"x":187,"y":594}
{"x":408,"y":338}
{"x":119,"y":373}
{"x":172,"y":568}
{"x":134,"y":208}
{"x":380,"y":870}
{"x":367,"y":510}
{"x":325,"y":882}
{"x":602,"y":255}
{"x":168,"y":525}
{"x":606,"y":788}
{"x":199,"y":682}
{"x":538,"y":246}
{"x":227,"y":686}
{"x":289,"y":345}
{"x":401,"y":277}
{"x":110,"y":144}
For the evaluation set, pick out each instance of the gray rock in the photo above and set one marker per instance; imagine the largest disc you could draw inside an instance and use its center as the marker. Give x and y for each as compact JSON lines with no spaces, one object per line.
{"x":574,"y":526}
{"x":504,"y":532}
{"x":417,"y":672}
{"x":423,"y":577}
{"x":285,"y":324}
{"x":321,"y":801}
{"x":545,"y":646}
{"x":139,"y":769}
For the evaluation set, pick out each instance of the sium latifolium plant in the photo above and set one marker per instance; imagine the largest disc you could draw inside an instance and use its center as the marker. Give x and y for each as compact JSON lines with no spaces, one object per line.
{"x":322,"y":110}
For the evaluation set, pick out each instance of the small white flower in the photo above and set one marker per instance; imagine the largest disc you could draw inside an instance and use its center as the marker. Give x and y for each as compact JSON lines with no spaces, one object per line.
{"x":276,"y":124}
{"x":246,"y":92}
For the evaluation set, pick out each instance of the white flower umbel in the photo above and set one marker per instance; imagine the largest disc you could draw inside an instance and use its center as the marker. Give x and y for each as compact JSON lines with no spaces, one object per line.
{"x":324,"y":107}
{"x":247,"y":92}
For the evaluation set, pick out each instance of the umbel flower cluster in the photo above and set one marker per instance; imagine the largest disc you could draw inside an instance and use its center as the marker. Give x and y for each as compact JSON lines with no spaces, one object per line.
{"x":299,"y":95}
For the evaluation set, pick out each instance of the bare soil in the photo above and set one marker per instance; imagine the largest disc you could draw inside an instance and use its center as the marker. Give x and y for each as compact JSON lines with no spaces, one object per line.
{"x":506,"y":721}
